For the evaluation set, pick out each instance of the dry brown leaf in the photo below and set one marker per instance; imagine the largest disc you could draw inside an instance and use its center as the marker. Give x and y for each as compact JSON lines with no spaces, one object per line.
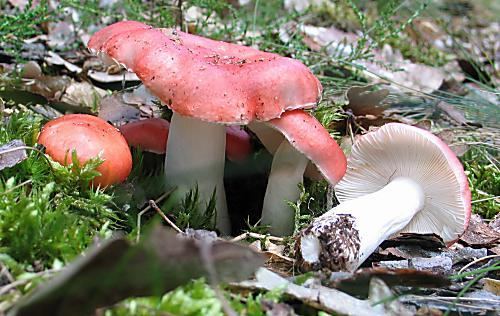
{"x":12,"y":153}
{"x":113,"y":109}
{"x":364,"y":101}
{"x":104,"y":77}
{"x":317,"y":296}
{"x":492,"y":285}
{"x":82,"y":95}
{"x":357,"y":283}
{"x":55,"y":59}
{"x":60,"y":35}
{"x":404,"y":73}
{"x":116,"y":270}
{"x":452,"y":112}
{"x":478,"y":234}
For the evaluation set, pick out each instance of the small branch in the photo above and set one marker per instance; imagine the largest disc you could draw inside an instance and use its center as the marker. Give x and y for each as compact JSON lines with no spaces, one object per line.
{"x":165,"y":218}
{"x":147,"y":208}
{"x":476,"y":261}
{"x":7,"y":288}
{"x":255,"y":235}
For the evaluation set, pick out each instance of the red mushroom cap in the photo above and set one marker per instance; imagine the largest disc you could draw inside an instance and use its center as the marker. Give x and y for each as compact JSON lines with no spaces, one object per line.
{"x":152,"y":135}
{"x":238,"y":143}
{"x":206,"y":79}
{"x":149,"y":134}
{"x":90,"y":136}
{"x":308,"y":136}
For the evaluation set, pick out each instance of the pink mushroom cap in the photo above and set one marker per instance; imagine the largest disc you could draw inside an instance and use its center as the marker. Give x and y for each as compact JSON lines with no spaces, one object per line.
{"x":152,"y":135}
{"x":309,"y":137}
{"x":400,"y":150}
{"x":210,"y":80}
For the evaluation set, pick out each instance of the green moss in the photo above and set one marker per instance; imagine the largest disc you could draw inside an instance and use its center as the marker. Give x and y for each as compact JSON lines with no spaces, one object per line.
{"x":49,"y":211}
{"x":484,"y":181}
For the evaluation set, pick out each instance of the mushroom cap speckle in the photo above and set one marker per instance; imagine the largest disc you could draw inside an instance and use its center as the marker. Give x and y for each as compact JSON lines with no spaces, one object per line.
{"x":90,"y":136}
{"x":399,"y":150}
{"x":206,"y":79}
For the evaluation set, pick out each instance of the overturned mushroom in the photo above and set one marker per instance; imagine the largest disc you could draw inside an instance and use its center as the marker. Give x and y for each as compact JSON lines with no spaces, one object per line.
{"x":206,"y":83}
{"x":399,"y":179}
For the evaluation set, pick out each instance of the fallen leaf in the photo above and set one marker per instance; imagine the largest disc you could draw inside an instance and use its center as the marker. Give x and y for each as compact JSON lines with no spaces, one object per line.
{"x":50,"y":87}
{"x":452,"y":112}
{"x":55,"y":59}
{"x":12,"y":153}
{"x":491,"y":285}
{"x":104,"y":77}
{"x":31,"y":70}
{"x":478,"y":234}
{"x":357,"y":283}
{"x":424,"y":241}
{"x":60,"y":35}
{"x":317,"y":296}
{"x":336,"y":42}
{"x":113,"y":109}
{"x":404,"y":73}
{"x":381,"y":294}
{"x":115,"y":270}
{"x":363,"y":101}
{"x":140,"y":96}
{"x":82,"y":96}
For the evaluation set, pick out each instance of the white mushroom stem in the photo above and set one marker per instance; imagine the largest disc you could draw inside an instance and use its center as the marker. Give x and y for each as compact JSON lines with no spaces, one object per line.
{"x":196,"y":156}
{"x":345,"y":236}
{"x":287,"y":172}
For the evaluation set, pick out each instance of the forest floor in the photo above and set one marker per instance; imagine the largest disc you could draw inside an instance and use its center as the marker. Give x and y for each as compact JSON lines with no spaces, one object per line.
{"x":70,"y":248}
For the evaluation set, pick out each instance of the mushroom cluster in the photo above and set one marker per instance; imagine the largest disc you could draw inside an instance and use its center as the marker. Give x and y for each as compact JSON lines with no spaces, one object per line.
{"x":209,"y":84}
{"x":400,"y":178}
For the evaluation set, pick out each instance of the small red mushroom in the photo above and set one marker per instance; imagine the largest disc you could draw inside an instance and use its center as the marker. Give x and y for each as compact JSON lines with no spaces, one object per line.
{"x":149,"y":134}
{"x":90,"y":137}
{"x":238,"y":143}
{"x":152,"y":135}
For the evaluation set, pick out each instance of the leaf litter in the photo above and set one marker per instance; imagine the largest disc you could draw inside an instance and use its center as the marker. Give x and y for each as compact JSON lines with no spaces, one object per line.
{"x":407,"y":275}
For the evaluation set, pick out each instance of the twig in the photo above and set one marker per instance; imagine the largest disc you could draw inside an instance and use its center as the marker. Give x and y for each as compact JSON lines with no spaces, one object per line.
{"x":159,"y":211}
{"x":255,"y":235}
{"x":7,"y":288}
{"x":449,"y":298}
{"x":486,"y":199}
{"x":181,"y":18}
{"x":254,"y":20}
{"x":147,"y":208}
{"x":476,"y":261}
{"x":16,"y":187}
{"x":6,"y":273}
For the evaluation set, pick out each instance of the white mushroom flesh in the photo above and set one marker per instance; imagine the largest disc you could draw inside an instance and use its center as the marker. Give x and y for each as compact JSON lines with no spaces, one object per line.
{"x":399,"y":179}
{"x":287,"y":173}
{"x":195,"y":157}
